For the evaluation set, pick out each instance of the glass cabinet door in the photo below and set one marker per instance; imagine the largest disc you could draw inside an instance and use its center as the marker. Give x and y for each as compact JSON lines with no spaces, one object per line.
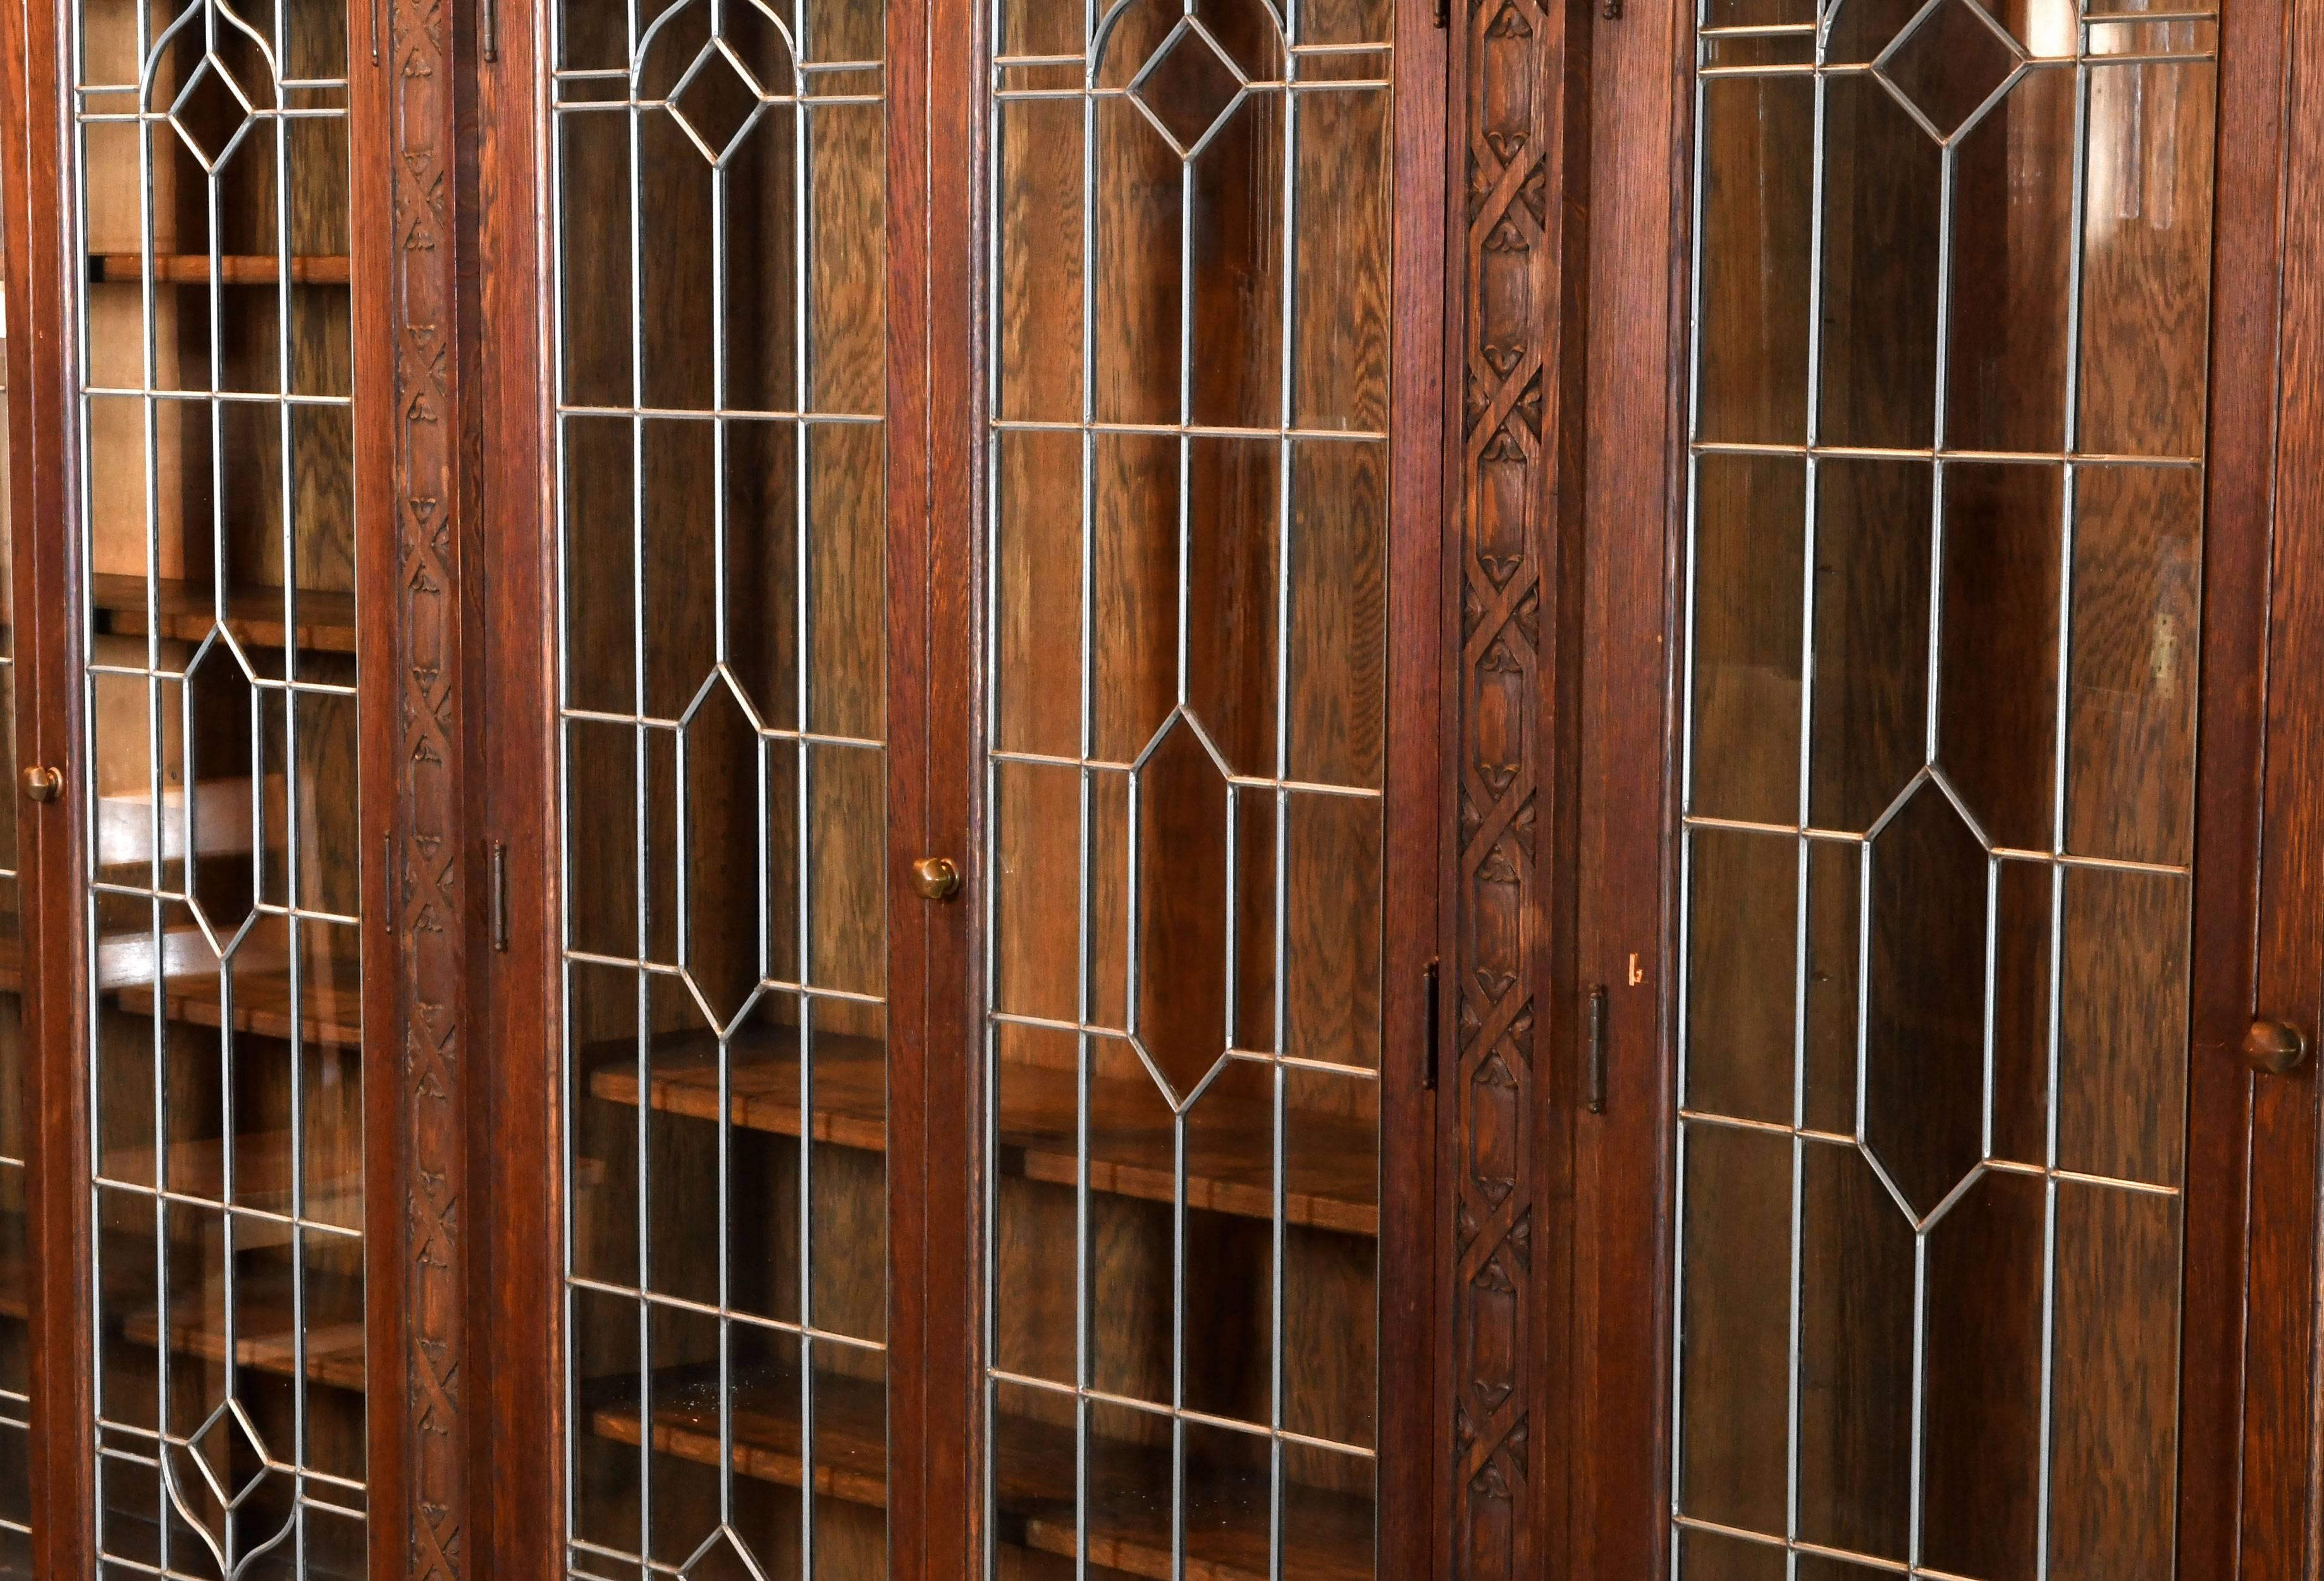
{"x":1952,"y":278}
{"x":718,"y":347}
{"x":211,"y":362}
{"x":1186,"y":746}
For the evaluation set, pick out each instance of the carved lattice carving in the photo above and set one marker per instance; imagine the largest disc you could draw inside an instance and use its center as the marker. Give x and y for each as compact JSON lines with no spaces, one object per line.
{"x":426,"y":864}
{"x":1506,"y":66}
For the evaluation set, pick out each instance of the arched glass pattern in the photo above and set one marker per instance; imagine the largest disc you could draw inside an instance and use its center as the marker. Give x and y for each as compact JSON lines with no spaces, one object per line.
{"x":720,"y":522}
{"x":1186,"y":541}
{"x":216,"y":527}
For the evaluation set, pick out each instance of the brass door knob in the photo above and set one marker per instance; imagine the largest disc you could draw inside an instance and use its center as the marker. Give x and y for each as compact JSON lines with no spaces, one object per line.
{"x":2272,"y":1048}
{"x":43,"y":783}
{"x":938,"y":878}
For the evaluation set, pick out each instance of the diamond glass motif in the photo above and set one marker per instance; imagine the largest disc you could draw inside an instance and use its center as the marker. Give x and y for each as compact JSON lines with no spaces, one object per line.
{"x":1189,"y":87}
{"x":1948,"y":64}
{"x":228,"y":1456}
{"x":716,"y":104}
{"x":210,"y":113}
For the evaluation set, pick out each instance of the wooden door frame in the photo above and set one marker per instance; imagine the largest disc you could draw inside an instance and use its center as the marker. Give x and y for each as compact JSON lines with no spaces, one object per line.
{"x":43,"y":479}
{"x":521,"y":1406}
{"x":2251,"y":1424}
{"x":2281,"y":1445}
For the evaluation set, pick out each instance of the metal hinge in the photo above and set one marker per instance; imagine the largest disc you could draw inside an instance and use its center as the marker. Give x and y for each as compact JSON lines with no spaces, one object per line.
{"x":493,"y":30}
{"x":1597,"y":1077}
{"x":1430,"y":1003}
{"x":1445,"y":13}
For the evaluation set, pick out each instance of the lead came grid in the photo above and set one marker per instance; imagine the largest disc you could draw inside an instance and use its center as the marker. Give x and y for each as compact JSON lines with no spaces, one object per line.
{"x":1193,"y":75}
{"x":714,"y":873}
{"x":1944,"y":537}
{"x":211,"y":877}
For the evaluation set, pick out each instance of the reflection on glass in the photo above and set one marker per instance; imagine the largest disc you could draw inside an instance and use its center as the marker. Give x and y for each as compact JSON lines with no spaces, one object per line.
{"x":1946,"y":524}
{"x":720,"y":362}
{"x":217,"y":523}
{"x":1186,"y":731}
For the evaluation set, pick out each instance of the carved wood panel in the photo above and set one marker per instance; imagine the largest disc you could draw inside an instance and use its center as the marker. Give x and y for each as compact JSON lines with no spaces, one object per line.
{"x":1518,"y":97}
{"x":426,"y":865}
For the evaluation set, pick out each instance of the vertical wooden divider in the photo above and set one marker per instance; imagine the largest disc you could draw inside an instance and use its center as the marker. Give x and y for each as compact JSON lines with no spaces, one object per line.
{"x":416,"y":347}
{"x":516,"y":1260}
{"x":1415,"y":1324}
{"x":33,"y":188}
{"x":1518,"y":237}
{"x":2282,"y":1425}
{"x":2242,"y":1134}
{"x":1613,"y":1339}
{"x":927,"y":1047}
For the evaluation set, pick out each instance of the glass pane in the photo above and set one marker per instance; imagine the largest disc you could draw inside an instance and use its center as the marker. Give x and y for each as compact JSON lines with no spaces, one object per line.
{"x":1186,"y":729}
{"x":1944,"y":581}
{"x":218,"y":523}
{"x":15,"y":1356}
{"x":718,"y":170}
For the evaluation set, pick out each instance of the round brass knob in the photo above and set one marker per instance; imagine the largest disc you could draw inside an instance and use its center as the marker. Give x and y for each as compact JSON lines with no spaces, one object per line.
{"x":43,"y":783}
{"x":2272,"y":1048}
{"x":938,"y":878}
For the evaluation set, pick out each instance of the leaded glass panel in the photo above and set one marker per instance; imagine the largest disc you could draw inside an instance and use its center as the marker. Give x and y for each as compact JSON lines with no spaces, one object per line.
{"x":1186,"y":541}
{"x":216,"y":522}
{"x":717,"y":172}
{"x":1945,"y":520}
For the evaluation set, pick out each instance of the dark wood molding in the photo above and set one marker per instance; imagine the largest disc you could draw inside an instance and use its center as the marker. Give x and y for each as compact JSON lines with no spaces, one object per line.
{"x":931,"y":1414}
{"x":1617,"y":1330}
{"x":2273,"y":87}
{"x":2241,"y":1133}
{"x":1412,"y":1313}
{"x":421,"y":690}
{"x":516,"y":1259}
{"x":43,"y":485}
{"x":1520,"y":148}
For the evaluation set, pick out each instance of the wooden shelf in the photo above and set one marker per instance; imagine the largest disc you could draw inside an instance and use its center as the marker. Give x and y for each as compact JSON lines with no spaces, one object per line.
{"x":187,"y":610}
{"x":851,"y":1423}
{"x":335,"y":1352}
{"x":1230,"y":1157}
{"x":329,"y":1018}
{"x":262,"y":1180}
{"x":851,"y":1085}
{"x":1330,"y":1535}
{"x":234,"y":269}
{"x":265,"y":1328}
